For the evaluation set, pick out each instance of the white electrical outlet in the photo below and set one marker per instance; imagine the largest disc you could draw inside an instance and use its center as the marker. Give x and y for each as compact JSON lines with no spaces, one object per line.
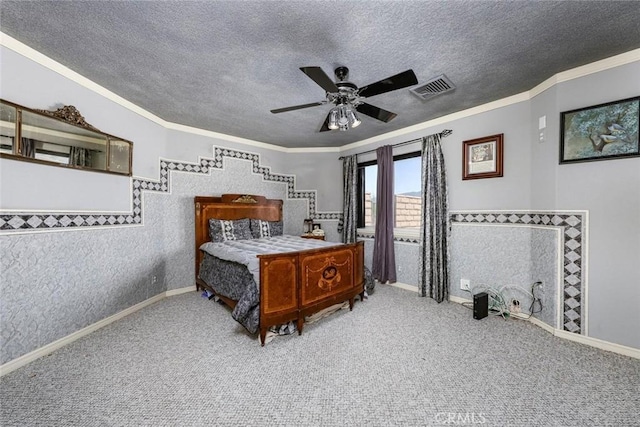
{"x":154,"y":279}
{"x":465,"y":284}
{"x":515,"y":306}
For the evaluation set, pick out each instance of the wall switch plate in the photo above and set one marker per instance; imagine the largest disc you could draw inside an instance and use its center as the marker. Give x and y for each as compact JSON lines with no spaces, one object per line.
{"x":465,"y":284}
{"x":542,"y":122}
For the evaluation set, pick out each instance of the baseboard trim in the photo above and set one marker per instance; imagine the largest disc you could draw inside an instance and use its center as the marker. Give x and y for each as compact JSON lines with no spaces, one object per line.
{"x":538,"y":323}
{"x":405,"y":286}
{"x":598,"y":343}
{"x":51,"y":347}
{"x":459,"y":300}
{"x":582,"y":339}
{"x":174,"y":292}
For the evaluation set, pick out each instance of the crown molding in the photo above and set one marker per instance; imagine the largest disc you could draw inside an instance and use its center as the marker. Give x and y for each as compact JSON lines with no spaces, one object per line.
{"x":440,"y":120}
{"x":32,"y":54}
{"x":41,"y":59}
{"x":604,"y":64}
{"x":224,"y":137}
{"x":574,"y":73}
{"x":585,"y":70}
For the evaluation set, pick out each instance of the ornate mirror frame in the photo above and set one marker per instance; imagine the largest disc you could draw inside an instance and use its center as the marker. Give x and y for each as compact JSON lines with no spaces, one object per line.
{"x":61,"y":138}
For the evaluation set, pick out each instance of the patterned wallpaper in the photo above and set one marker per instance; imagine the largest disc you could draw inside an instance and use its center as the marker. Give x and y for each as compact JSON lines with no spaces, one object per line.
{"x":54,"y":284}
{"x":61,"y":272}
{"x":574,"y":242}
{"x":407,"y":260}
{"x":535,"y":255}
{"x":546,"y":248}
{"x":501,"y":258}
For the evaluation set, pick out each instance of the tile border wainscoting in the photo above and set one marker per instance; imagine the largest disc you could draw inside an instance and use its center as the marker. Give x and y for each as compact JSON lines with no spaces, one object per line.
{"x":574,"y":244}
{"x":24,"y":221}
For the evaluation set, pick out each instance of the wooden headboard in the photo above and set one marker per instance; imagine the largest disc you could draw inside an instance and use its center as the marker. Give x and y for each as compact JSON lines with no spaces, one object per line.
{"x":231,"y":206}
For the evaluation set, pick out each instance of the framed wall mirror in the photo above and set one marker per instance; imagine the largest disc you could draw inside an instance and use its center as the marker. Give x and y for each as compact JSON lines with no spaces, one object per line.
{"x":60,"y":138}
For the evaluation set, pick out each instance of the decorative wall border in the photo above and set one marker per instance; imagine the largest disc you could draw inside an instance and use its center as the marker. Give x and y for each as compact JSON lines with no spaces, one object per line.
{"x":42,"y":222}
{"x":574,"y":225}
{"x":401,"y":239}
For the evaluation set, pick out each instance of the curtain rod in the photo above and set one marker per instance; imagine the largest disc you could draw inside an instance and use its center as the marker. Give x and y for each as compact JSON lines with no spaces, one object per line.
{"x":445,"y":133}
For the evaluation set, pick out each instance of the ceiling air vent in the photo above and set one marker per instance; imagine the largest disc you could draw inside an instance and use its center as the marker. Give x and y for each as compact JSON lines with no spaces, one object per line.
{"x":434,"y":87}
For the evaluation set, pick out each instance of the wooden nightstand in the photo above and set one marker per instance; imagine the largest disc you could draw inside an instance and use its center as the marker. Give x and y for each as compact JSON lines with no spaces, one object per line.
{"x":311,"y":236}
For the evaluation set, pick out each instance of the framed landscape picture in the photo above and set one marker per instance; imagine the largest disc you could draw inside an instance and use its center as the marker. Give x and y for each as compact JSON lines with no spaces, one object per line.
{"x":604,"y":131}
{"x":482,"y":157}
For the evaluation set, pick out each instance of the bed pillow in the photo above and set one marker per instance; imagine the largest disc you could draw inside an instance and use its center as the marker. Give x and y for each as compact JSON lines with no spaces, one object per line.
{"x":260,"y":228}
{"x":221,"y":230}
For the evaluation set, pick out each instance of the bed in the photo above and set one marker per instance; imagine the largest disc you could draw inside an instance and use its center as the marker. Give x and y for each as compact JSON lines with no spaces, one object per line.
{"x":269,"y":280}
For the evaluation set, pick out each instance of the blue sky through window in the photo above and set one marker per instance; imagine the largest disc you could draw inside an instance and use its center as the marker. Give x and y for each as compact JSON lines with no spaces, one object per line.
{"x":406,"y":180}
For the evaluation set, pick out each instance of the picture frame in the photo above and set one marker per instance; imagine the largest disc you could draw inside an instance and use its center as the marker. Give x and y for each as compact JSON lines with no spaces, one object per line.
{"x":600,"y":132}
{"x":483,"y":157}
{"x":317,"y":226}
{"x":308,"y":226}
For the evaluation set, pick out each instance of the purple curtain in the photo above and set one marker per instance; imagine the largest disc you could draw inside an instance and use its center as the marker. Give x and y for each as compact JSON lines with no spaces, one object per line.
{"x":384,"y":257}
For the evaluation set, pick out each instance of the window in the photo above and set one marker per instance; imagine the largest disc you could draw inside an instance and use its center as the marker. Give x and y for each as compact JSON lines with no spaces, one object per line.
{"x":407,"y":194}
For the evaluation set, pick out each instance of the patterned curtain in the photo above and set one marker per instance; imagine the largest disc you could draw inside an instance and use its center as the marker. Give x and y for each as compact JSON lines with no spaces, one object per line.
{"x":79,"y":157}
{"x":435,"y":227}
{"x":384,"y":257}
{"x":349,"y":225}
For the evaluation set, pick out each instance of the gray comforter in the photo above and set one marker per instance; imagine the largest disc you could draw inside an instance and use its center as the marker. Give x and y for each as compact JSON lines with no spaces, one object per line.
{"x":247,"y":310}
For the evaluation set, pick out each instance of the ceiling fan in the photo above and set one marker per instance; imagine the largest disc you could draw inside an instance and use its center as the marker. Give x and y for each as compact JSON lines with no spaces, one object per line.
{"x":347,"y":97}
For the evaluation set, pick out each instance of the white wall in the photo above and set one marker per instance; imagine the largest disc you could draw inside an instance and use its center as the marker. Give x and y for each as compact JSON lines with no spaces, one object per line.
{"x":609,"y":189}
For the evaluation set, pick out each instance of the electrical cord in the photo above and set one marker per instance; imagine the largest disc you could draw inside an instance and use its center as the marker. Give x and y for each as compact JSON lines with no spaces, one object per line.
{"x":534,"y":300}
{"x":497,"y":302}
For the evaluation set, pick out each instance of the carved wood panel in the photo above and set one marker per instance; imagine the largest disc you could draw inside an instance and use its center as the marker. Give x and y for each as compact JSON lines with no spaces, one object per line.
{"x":325,"y":274}
{"x":278,"y":284}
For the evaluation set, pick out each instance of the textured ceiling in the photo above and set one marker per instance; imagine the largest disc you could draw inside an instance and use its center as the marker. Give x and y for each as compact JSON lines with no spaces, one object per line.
{"x":223,"y":65}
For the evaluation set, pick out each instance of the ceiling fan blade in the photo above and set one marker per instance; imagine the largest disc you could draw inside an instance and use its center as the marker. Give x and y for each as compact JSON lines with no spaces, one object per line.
{"x":320,"y":77}
{"x":325,"y":125}
{"x":376,"y":112}
{"x":297,"y":107}
{"x":404,"y":79}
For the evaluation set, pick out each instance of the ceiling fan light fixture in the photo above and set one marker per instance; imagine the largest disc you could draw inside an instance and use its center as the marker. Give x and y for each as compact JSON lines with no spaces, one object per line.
{"x":343,"y":116}
{"x":346,"y":97}
{"x":333,"y":119}
{"x":354,"y":120}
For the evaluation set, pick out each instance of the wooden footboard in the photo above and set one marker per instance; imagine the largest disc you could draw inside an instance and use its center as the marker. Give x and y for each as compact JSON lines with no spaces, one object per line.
{"x":299,"y":284}
{"x":294,"y":284}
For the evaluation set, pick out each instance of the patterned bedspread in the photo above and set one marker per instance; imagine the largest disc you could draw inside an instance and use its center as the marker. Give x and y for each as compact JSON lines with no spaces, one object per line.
{"x":247,"y":310}
{"x":245,"y":251}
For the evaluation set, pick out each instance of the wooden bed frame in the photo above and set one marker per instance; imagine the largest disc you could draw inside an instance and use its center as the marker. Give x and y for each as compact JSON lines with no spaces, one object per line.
{"x":293,"y":284}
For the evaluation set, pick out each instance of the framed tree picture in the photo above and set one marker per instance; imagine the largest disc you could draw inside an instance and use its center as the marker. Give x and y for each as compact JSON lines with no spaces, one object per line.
{"x":604,"y":131}
{"x":482,"y":157}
